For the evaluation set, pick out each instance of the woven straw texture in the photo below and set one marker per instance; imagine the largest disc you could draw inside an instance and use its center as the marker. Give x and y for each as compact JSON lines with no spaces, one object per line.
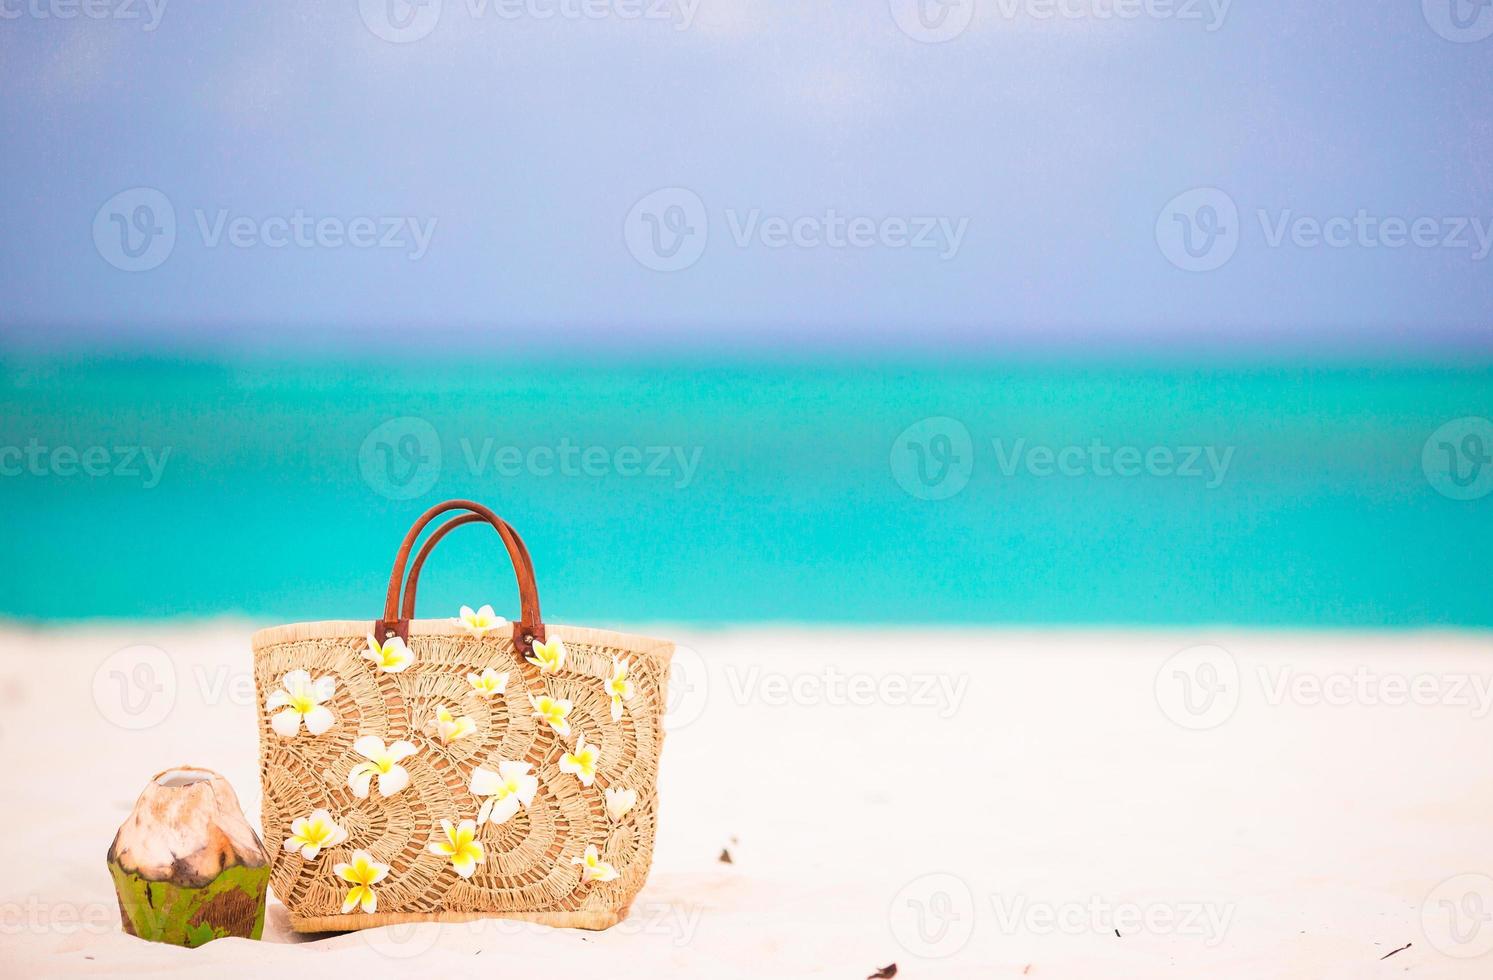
{"x":528,"y":871}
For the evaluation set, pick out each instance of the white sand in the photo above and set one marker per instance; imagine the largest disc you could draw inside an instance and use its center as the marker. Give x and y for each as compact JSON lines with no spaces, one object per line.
{"x":1290,"y":839}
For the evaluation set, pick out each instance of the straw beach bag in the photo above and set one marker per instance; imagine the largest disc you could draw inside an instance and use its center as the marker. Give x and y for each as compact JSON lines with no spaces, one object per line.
{"x":452,"y":769}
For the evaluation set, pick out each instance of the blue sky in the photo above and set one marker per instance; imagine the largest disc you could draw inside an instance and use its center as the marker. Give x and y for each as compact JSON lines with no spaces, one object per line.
{"x":828,"y":177}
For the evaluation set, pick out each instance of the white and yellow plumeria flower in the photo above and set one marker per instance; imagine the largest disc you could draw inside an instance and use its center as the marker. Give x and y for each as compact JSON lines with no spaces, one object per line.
{"x":310,"y":834}
{"x":461,"y":846}
{"x":581,"y":762}
{"x":391,"y":656}
{"x":619,"y":801}
{"x":301,"y":700}
{"x":481,"y":622}
{"x":506,"y":789}
{"x":489,"y":682}
{"x":619,"y":687}
{"x":362,"y":872}
{"x":555,"y":711}
{"x":593,"y":868}
{"x":548,"y":657}
{"x":383,"y":762}
{"x":447,"y":727}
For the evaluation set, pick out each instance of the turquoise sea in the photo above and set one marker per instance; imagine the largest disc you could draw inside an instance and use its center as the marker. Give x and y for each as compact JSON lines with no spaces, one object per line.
{"x":882,"y":493}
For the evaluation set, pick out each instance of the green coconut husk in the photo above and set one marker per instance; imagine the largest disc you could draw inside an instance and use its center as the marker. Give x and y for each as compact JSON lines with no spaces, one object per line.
{"x":232,"y":904}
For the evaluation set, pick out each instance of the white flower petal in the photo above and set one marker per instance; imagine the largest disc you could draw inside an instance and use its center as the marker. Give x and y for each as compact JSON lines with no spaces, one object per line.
{"x":504,"y":809}
{"x":296,"y":679}
{"x":369,"y":746}
{"x":319,"y":719}
{"x":484,"y":782}
{"x":359,"y":778}
{"x":286,"y":723}
{"x":310,"y":851}
{"x":324,"y":688}
{"x":391,"y":782}
{"x":620,"y":801}
{"x":402,"y":750}
{"x":277,"y":699}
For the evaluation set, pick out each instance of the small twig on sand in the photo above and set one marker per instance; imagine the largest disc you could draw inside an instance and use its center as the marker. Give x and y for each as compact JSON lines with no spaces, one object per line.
{"x":1394,"y":951}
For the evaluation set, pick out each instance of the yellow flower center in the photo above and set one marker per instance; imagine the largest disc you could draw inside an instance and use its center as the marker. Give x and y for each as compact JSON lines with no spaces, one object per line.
{"x":316,"y":833}
{"x":302,"y":702}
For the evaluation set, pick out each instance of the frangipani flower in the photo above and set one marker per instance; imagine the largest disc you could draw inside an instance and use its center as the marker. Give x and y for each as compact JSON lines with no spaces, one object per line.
{"x":505,"y":790}
{"x":619,"y":801}
{"x":392,"y":655}
{"x":310,"y":834}
{"x":460,"y":846}
{"x":362,"y":872}
{"x":581,"y":762}
{"x":301,"y":698}
{"x":593,"y":868}
{"x":619,"y":687}
{"x":383,"y":763}
{"x":448,"y":728}
{"x":548,"y":657}
{"x":481,"y":622}
{"x":553,"y":711}
{"x":489,"y":682}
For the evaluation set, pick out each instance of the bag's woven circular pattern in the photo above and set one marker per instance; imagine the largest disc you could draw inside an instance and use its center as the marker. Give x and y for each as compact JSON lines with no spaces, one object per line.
{"x":528,"y":859}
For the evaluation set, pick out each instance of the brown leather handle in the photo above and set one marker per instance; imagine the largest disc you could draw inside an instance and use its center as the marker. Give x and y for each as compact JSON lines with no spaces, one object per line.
{"x":412,"y":580}
{"x":530,"y":626}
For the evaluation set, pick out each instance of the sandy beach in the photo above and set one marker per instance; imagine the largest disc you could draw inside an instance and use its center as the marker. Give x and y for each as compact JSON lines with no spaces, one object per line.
{"x":1179,"y":803}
